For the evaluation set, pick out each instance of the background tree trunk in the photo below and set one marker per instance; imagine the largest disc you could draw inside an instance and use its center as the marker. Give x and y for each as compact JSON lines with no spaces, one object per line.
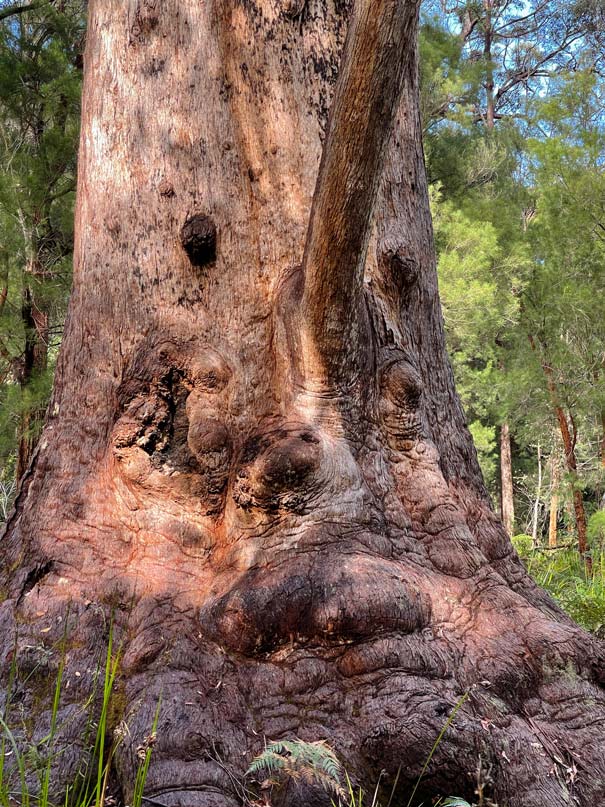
{"x":603,"y":439}
{"x":490,"y":111}
{"x":554,"y":499}
{"x":506,"y":481}
{"x":569,"y":445}
{"x":284,"y":553}
{"x":537,"y":502}
{"x":569,"y":436}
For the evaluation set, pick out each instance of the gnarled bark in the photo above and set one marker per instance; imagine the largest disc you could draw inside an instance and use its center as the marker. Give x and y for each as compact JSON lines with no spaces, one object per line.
{"x":282,"y":557}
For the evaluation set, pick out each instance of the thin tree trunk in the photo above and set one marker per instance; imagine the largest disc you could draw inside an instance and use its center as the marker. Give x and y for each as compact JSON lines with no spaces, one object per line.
{"x":290,"y":531}
{"x":361,"y":120}
{"x":506,"y":480}
{"x":569,"y":438}
{"x":469,"y":23}
{"x":490,"y":114}
{"x":569,"y":444}
{"x":553,"y":520}
{"x":603,"y":439}
{"x":534,"y":529}
{"x":554,"y":500}
{"x":507,"y":502}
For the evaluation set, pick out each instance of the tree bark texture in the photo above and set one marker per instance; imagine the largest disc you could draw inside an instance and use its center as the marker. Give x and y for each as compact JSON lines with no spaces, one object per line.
{"x":285,"y":553}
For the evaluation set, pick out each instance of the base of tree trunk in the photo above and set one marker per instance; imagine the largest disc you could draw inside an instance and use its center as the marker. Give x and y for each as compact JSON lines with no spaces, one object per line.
{"x":364,"y":639}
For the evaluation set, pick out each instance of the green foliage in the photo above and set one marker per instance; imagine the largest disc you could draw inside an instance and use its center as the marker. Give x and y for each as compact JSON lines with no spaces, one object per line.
{"x":523,"y":544}
{"x":482,"y":263}
{"x":144,"y":753}
{"x":448,"y":80}
{"x":563,"y":573}
{"x":519,"y":226}
{"x":596,"y":530}
{"x":484,"y":437}
{"x":297,"y":761}
{"x":475,"y":275}
{"x":555,"y":356}
{"x":40,"y":80}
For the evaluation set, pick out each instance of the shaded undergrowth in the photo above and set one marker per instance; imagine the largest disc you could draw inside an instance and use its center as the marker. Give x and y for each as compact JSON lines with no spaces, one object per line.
{"x":27,"y":766}
{"x":562,"y":572}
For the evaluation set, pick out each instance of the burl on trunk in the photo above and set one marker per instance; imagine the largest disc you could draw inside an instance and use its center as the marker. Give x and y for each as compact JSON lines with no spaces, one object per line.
{"x":255,"y":459}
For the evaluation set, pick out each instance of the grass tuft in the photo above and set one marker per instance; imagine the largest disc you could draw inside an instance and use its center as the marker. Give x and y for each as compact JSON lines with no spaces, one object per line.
{"x":35,"y":760}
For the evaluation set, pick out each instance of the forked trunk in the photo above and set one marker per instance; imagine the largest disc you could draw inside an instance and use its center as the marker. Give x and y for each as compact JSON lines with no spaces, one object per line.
{"x":283,"y":511}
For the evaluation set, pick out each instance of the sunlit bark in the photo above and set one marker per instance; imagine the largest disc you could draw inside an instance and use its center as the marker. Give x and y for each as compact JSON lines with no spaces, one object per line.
{"x":283,"y":555}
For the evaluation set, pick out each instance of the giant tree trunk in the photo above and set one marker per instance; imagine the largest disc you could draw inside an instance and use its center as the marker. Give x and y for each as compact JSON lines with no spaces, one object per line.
{"x":265,"y":475}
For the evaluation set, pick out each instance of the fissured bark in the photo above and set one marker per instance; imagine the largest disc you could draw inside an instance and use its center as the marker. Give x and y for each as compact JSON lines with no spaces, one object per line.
{"x":289,"y":543}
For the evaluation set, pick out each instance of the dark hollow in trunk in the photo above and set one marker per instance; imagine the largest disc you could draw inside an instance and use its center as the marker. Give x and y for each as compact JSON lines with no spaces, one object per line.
{"x":287,"y":549}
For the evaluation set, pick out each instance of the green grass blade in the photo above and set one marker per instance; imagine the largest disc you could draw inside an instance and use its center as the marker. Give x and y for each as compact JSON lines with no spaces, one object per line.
{"x":437,"y":743}
{"x":142,"y":772}
{"x":20,"y":762}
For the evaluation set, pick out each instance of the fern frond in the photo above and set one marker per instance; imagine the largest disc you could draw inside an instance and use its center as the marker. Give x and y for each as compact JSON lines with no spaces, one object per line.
{"x":268,"y":761}
{"x":326,"y":782}
{"x":296,"y":760}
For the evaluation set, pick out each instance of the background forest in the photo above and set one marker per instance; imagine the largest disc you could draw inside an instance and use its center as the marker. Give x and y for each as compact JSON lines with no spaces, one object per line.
{"x":513,"y":101}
